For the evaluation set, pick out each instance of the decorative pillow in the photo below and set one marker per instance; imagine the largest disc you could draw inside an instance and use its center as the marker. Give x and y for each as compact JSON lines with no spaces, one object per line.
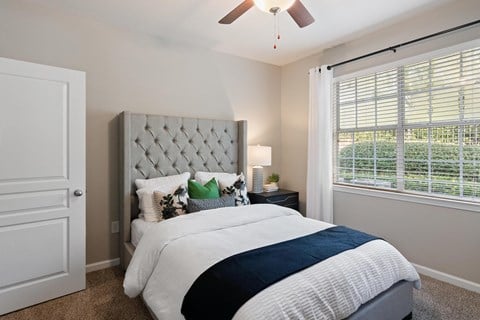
{"x":164,"y":184}
{"x":171,"y":204}
{"x":146,"y":187}
{"x":195,"y":205}
{"x":147,"y":206}
{"x":208,"y":191}
{"x":238,"y":188}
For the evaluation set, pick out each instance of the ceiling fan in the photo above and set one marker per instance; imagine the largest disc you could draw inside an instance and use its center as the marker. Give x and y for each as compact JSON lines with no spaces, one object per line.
{"x":295,"y":8}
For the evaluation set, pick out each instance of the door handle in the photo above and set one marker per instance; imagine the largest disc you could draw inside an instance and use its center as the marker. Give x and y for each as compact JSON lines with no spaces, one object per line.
{"x":78,"y":193}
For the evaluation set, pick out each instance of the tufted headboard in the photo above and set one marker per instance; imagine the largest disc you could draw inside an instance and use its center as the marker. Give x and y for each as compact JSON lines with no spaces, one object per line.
{"x":155,"y":146}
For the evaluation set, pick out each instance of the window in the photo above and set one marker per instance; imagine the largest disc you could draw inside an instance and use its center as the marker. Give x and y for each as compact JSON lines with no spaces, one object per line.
{"x":413,"y":128}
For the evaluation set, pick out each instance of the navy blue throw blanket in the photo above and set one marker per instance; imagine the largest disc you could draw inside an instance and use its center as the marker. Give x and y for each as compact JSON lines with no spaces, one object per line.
{"x":222,"y":289}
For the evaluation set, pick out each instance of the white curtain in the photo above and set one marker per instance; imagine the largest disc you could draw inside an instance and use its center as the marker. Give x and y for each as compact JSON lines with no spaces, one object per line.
{"x":319,"y":166}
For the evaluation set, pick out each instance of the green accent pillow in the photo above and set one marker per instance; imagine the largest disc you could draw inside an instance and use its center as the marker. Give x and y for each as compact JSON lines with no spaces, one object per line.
{"x":208,"y":191}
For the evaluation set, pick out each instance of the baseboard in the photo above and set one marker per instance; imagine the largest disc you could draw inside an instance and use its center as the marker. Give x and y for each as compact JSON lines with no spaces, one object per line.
{"x":448,"y":278}
{"x":102,"y":265}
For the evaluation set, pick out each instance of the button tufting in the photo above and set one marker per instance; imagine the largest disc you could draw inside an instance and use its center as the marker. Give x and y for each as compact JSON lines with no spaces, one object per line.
{"x":137,"y":166}
{"x":190,"y":164}
{"x":147,"y":127}
{"x":198,"y":129}
{"x":211,"y":152}
{"x":205,"y":141}
{"x":198,"y":153}
{"x":211,"y":130}
{"x":174,"y":140}
{"x":219,"y":142}
{"x":147,"y":153}
{"x":137,"y":140}
{"x":165,"y":127}
{"x":225,"y":130}
{"x":190,"y":141}
{"x":231,"y":141}
{"x":156,"y":140}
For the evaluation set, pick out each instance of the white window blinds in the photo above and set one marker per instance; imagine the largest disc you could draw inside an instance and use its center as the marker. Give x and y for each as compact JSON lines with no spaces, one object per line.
{"x":413,"y":128}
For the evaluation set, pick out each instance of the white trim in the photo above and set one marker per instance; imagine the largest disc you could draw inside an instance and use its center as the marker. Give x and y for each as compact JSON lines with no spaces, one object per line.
{"x":102,"y":265}
{"x":448,"y":278}
{"x":410,"y":60}
{"x":408,"y":197}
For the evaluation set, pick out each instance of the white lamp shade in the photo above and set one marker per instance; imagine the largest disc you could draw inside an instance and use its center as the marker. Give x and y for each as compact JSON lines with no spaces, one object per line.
{"x":266,"y":5}
{"x":260,"y":155}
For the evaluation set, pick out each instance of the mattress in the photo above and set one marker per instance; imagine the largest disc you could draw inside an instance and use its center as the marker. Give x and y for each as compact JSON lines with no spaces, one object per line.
{"x":139,"y":227}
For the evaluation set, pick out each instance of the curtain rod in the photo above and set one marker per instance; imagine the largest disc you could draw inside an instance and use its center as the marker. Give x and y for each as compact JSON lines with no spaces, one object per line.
{"x":395,"y":47}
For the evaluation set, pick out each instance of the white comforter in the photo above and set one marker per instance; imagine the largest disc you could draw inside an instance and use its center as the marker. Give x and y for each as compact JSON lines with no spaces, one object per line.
{"x":171,"y":255}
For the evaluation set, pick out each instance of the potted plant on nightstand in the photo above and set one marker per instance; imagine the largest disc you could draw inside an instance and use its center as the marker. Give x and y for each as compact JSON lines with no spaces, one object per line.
{"x":272,"y":184}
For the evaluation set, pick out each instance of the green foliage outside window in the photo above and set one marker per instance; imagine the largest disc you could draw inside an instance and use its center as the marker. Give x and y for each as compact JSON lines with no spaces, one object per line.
{"x":444,"y":170}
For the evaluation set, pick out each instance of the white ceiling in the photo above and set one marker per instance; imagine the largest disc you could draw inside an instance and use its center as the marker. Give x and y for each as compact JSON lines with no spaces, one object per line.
{"x":251,"y":36}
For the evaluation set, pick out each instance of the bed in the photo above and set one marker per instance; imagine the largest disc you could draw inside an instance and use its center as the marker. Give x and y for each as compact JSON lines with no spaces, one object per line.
{"x":154,"y":146}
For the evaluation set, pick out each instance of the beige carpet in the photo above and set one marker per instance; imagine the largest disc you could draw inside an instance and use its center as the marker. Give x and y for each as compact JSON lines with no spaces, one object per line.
{"x":441,"y":301}
{"x":104,"y":299}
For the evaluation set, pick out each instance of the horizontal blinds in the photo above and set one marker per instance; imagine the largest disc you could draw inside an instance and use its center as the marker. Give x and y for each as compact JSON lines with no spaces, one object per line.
{"x":413,"y":128}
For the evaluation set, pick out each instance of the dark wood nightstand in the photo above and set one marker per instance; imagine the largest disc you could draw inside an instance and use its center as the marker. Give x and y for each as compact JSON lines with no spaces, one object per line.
{"x":282,"y":197}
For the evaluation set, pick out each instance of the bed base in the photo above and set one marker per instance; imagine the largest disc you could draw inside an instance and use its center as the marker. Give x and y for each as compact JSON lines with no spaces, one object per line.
{"x":395,"y":303}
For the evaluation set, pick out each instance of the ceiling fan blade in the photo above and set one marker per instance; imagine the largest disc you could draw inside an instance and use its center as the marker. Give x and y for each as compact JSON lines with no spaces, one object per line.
{"x":300,"y":14}
{"x":237,"y":12}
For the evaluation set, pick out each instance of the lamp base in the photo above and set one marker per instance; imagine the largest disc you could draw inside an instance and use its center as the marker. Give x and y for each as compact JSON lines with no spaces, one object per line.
{"x":257,"y":179}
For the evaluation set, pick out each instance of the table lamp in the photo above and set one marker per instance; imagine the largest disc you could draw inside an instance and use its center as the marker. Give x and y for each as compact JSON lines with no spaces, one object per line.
{"x":259,"y":156}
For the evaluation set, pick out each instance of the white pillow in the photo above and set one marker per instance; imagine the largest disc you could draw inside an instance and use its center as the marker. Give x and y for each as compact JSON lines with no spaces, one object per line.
{"x":221,"y":177}
{"x":147,"y":203}
{"x":164,"y":184}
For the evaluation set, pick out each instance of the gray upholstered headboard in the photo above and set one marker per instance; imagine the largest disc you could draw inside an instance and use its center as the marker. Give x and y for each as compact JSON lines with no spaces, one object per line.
{"x":154,"y":146}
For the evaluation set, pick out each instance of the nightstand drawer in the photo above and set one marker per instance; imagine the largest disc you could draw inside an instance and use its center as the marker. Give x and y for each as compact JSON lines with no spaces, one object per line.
{"x":285,"y":198}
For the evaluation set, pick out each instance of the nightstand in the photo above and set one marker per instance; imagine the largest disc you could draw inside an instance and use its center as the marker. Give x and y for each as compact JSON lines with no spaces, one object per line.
{"x":282,"y":197}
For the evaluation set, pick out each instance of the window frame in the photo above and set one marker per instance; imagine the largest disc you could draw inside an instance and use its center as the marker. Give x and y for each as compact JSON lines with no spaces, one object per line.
{"x":399,"y":193}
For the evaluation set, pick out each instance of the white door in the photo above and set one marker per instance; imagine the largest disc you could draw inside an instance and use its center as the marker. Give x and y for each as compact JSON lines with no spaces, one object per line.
{"x":42,"y":183}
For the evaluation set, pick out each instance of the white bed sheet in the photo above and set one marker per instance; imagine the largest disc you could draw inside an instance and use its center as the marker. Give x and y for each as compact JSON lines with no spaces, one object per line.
{"x":175,"y":252}
{"x":138,"y":229}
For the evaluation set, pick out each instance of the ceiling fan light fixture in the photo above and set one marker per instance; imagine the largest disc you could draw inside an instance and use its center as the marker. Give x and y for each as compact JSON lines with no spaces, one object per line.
{"x":268,"y":5}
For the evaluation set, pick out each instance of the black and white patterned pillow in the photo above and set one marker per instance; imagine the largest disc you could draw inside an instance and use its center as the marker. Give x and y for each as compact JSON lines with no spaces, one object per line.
{"x":238,"y":189}
{"x":172,"y":204}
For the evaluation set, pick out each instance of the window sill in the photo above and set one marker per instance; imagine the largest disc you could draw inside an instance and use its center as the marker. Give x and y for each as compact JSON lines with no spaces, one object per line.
{"x":420,"y":199}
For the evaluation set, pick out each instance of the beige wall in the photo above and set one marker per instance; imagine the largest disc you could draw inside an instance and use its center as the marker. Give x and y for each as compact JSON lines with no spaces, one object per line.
{"x":127,"y":71}
{"x":444,"y":239}
{"x":135,"y":72}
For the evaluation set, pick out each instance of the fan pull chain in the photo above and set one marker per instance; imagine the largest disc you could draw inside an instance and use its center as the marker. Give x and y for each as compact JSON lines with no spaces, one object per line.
{"x":276,"y":30}
{"x":275,"y":21}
